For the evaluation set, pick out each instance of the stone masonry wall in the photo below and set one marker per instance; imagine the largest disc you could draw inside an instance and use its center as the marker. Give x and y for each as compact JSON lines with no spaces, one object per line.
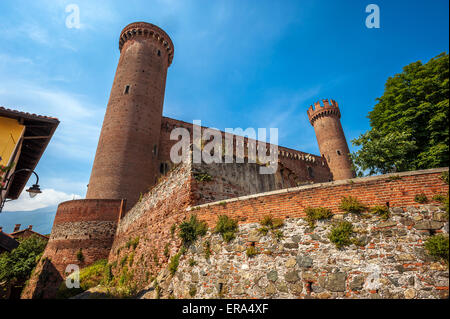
{"x":390,"y":263}
{"x":172,"y":201}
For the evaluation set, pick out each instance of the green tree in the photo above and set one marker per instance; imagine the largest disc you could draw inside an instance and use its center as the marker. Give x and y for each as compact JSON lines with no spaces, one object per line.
{"x":409,"y":124}
{"x":17,"y":265}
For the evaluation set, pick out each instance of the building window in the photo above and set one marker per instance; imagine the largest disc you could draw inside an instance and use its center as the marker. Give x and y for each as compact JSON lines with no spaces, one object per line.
{"x":163,"y":168}
{"x":159,"y":53}
{"x":338,"y":152}
{"x":127,"y":89}
{"x":155,"y":150}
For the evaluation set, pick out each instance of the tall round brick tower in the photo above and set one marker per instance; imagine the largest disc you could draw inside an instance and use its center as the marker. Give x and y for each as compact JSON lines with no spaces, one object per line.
{"x":125,"y":163}
{"x":331,"y":139}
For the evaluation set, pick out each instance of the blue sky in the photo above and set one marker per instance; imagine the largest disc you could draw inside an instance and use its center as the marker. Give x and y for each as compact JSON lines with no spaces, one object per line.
{"x":236,"y":64}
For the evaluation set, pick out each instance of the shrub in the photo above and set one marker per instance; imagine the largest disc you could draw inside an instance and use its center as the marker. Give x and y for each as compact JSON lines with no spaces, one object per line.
{"x":341,"y":234}
{"x":108,"y":276}
{"x":314,"y":214}
{"x":251,"y":251}
{"x":123,"y":260}
{"x":381,"y":211}
{"x":421,"y":198}
{"x":132,"y":243}
{"x":202,"y":177}
{"x":192,"y":262}
{"x":130,"y":259}
{"x":207,"y":249}
{"x":227,"y":227}
{"x":166,"y":250}
{"x":278,"y":234}
{"x":173,"y":265}
{"x":444,"y":177}
{"x":190,"y":230}
{"x":172,"y":229}
{"x":444,"y":200}
{"x":439,"y":198}
{"x":192,"y":291}
{"x":350,"y":204}
{"x":271,"y":223}
{"x":437,"y":246}
{"x":263,"y":230}
{"x":80,"y":256}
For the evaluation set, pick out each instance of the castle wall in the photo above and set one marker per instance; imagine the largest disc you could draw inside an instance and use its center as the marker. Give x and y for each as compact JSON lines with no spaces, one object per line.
{"x":391,"y":263}
{"x":236,"y":179}
{"x":148,"y":223}
{"x":173,"y":200}
{"x":290,"y":203}
{"x":87,"y":225}
{"x":306,"y":168}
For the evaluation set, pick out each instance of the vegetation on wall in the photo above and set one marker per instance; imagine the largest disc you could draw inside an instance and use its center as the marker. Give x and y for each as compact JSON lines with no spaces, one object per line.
{"x":190,"y":230}
{"x":227,"y":227}
{"x":438,"y":246}
{"x":80,"y":256}
{"x":350,"y":204}
{"x":317,"y":213}
{"x":381,"y":211}
{"x":409,"y":124}
{"x":202,"y":177}
{"x":341,"y":234}
{"x":421,"y":198}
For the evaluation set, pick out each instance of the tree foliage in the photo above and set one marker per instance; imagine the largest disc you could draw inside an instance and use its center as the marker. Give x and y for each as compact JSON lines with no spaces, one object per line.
{"x":409,"y":124}
{"x":18,"y":264}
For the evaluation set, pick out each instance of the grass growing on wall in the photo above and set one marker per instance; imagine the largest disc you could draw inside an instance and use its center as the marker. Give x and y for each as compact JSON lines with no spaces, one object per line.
{"x":341,"y":234}
{"x":351,"y":204}
{"x":191,"y":230}
{"x":227,"y":227}
{"x":318,"y":213}
{"x":90,"y":276}
{"x":381,"y":211}
{"x":438,"y":246}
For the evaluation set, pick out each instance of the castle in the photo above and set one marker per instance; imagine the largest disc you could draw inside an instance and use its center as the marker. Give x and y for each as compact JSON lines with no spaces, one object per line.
{"x":135,"y":191}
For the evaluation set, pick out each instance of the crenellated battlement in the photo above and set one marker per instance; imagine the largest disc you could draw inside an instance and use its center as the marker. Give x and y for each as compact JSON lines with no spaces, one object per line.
{"x":329,"y":108}
{"x":150,"y":31}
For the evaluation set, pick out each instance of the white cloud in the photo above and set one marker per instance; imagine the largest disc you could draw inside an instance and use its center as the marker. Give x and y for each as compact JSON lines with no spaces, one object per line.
{"x":48,"y":197}
{"x":80,"y":120}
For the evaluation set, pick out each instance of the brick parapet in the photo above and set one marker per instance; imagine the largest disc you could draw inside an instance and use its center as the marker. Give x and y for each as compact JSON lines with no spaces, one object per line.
{"x":148,"y":31}
{"x":397,"y":189}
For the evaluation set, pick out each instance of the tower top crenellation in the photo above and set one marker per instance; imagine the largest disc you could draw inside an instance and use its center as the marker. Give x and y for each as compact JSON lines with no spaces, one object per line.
{"x":147,"y":30}
{"x":329,"y":108}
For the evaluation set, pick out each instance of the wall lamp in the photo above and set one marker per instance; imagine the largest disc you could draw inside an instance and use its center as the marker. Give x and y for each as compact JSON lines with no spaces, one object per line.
{"x":32,"y":191}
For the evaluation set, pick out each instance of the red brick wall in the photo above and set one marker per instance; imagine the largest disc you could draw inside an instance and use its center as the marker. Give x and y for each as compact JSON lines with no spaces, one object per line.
{"x":150,"y":220}
{"x":86,"y":224}
{"x":377,"y":190}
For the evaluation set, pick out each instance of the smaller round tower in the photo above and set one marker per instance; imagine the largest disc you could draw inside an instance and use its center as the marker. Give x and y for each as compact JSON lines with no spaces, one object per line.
{"x":331,"y":139}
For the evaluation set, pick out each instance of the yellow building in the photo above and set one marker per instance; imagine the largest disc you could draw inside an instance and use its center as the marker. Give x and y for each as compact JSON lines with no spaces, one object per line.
{"x":23,"y":139}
